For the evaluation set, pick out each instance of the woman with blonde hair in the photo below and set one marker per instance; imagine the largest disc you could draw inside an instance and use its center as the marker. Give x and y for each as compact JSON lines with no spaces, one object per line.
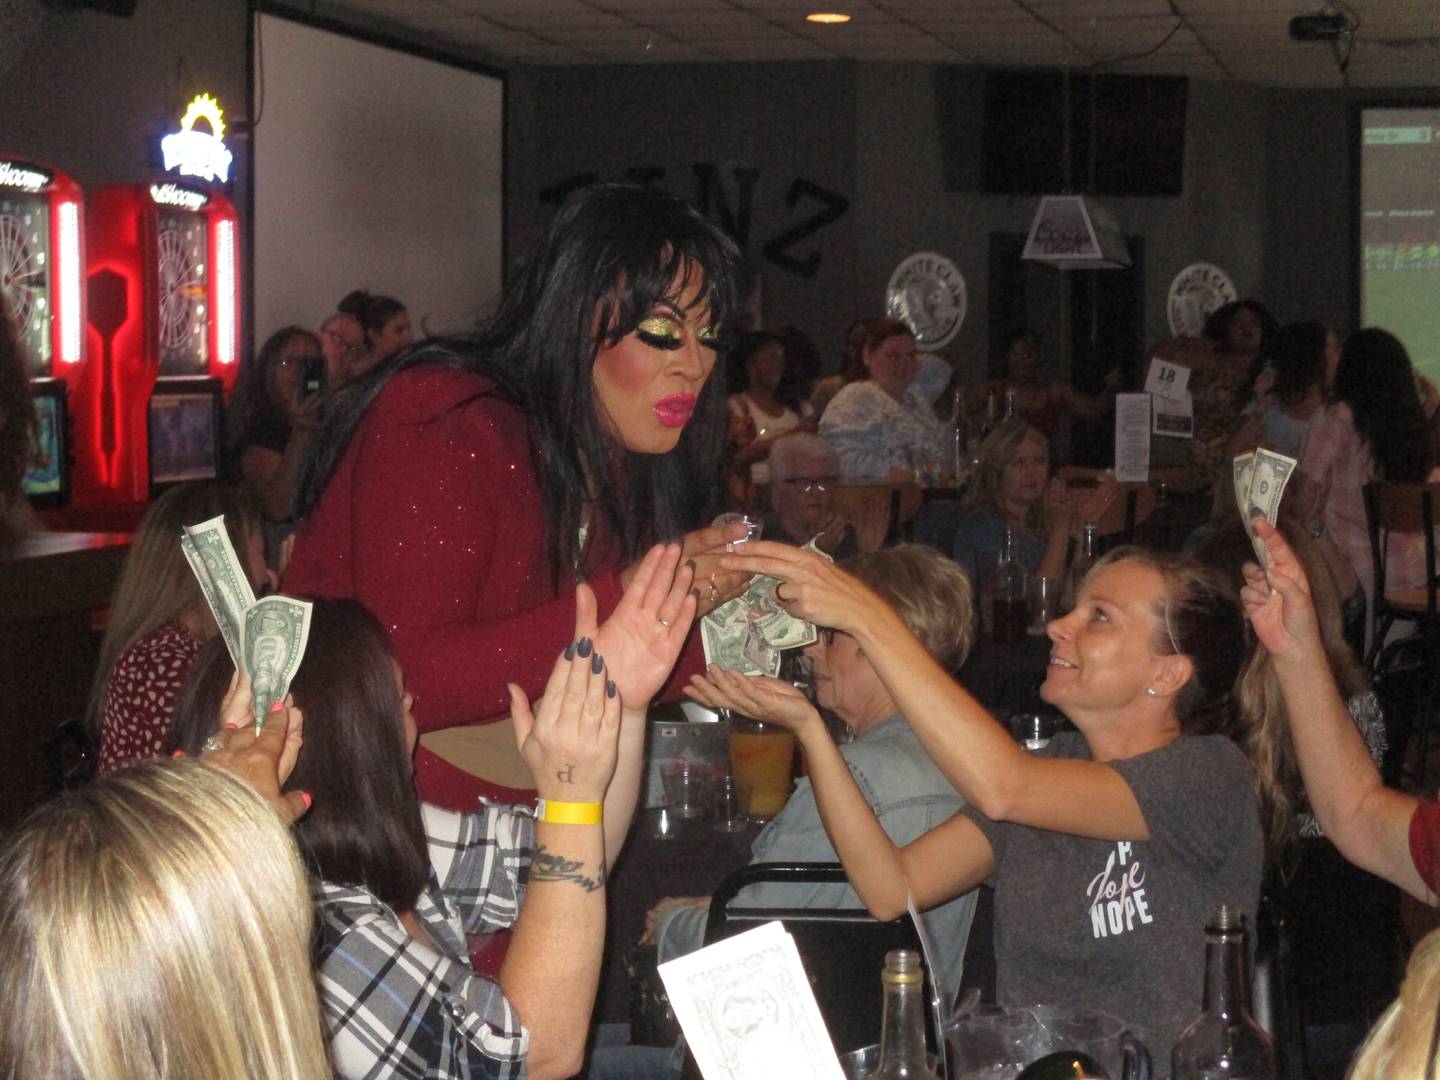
{"x":1404,"y":1044}
{"x":157,"y":923}
{"x":159,"y":620}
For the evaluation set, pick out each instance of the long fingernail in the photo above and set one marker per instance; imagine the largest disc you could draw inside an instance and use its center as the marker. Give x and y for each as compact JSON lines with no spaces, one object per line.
{"x":696,"y":594}
{"x":597,"y":664}
{"x":691,"y":564}
{"x":584,"y":648}
{"x":181,"y":753}
{"x":277,"y":706}
{"x":233,"y":727}
{"x":609,"y":687}
{"x":570,"y":651}
{"x":305,"y":797}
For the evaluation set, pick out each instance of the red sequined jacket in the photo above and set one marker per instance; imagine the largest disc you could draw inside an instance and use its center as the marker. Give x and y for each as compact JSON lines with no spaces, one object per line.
{"x":434,"y":521}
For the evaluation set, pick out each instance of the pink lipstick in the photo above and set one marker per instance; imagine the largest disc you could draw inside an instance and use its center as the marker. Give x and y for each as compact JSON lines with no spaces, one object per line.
{"x":675,"y":410}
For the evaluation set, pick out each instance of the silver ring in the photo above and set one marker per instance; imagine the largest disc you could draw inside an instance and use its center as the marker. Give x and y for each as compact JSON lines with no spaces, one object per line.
{"x":663,"y":622}
{"x":212,"y":744}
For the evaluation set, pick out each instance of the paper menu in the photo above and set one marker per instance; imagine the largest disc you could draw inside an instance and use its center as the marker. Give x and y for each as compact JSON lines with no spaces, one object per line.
{"x":1132,"y":438}
{"x":747,"y":1010}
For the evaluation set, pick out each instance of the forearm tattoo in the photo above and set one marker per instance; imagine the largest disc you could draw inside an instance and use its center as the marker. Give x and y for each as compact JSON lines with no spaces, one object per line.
{"x":545,"y":866}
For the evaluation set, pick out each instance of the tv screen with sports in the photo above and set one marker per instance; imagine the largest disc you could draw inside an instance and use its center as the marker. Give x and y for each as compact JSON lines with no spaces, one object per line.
{"x":1400,"y":228}
{"x":184,"y":432}
{"x":47,"y":478}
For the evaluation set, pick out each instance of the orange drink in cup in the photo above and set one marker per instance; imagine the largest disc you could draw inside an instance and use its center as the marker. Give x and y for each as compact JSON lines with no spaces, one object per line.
{"x":762,"y":757}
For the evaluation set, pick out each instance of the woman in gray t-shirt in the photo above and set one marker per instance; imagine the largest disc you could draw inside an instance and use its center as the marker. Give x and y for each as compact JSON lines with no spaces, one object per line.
{"x":1108,"y":852}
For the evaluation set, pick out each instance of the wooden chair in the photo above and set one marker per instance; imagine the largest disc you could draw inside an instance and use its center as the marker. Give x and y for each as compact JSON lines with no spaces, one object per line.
{"x":880,"y":513}
{"x":1405,"y":509}
{"x":1122,"y":516}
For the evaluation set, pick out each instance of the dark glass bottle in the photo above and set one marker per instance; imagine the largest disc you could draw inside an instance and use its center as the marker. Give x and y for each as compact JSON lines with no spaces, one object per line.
{"x":1009,"y":607}
{"x":1224,"y":1042}
{"x":902,"y":1028}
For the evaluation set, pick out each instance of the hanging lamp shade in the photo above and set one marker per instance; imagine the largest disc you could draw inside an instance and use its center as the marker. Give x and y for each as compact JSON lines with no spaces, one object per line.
{"x":1073,"y":232}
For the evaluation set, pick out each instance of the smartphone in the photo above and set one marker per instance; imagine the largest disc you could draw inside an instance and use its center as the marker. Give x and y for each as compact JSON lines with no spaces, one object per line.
{"x":312,"y":376}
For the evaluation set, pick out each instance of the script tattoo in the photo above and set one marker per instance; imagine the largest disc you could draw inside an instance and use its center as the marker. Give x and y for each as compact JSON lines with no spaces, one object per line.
{"x":566,"y":775}
{"x":547,"y":867}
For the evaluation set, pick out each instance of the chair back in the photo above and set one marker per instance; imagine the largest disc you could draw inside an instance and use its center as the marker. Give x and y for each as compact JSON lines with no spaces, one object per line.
{"x":879,"y":513}
{"x":843,"y":949}
{"x":1399,"y":508}
{"x":1118,"y":522}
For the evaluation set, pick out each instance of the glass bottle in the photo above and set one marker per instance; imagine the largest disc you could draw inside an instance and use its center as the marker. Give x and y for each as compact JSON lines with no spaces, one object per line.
{"x":1081,"y":565}
{"x":1224,"y":1042}
{"x":1009,"y":607}
{"x":992,"y":412}
{"x":902,"y":1027}
{"x":1010,"y":404}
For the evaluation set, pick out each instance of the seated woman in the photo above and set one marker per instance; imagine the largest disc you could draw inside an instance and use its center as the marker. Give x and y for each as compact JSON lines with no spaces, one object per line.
{"x":159,"y":620}
{"x":876,"y":422}
{"x":804,"y":470}
{"x":1304,"y":360}
{"x":1389,"y":833}
{"x":765,"y":409}
{"x":157,"y":923}
{"x":1012,"y":489}
{"x":402,"y":883}
{"x":1039,"y":402}
{"x":386,"y":325}
{"x":1109,"y":849}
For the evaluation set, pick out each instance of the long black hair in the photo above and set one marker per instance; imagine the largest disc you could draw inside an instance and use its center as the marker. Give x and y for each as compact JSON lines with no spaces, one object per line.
{"x":1299,"y":359}
{"x":611,"y":253}
{"x":1376,"y":380}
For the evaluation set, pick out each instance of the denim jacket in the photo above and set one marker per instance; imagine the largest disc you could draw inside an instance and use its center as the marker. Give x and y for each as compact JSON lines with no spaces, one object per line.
{"x":909,"y":796}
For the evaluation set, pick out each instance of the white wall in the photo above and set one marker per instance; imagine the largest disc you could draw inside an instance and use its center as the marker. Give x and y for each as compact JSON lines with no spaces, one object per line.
{"x":374,"y":169}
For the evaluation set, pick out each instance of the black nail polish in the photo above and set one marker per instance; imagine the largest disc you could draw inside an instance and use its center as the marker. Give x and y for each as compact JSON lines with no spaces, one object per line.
{"x":597,"y":664}
{"x":696,"y":594}
{"x":610,"y":688}
{"x":691,"y":564}
{"x":570,"y":651}
{"x":584,"y":648}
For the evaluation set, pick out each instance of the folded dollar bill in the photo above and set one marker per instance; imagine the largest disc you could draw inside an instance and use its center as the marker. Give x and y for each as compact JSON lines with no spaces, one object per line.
{"x":747,"y":634}
{"x":1260,"y":479}
{"x":267,"y":637}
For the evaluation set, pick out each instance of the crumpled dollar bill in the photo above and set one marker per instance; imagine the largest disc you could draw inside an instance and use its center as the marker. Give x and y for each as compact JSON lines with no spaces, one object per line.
{"x":747,"y":634}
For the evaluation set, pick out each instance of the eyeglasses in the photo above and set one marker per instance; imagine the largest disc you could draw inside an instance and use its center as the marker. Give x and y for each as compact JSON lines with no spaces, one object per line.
{"x":807,"y":484}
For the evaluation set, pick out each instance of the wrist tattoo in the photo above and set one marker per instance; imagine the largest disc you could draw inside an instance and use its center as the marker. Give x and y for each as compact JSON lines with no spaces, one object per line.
{"x":566,"y":775}
{"x":545,"y":866}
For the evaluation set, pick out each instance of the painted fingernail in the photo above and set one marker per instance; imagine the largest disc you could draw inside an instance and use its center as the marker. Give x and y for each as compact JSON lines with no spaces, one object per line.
{"x":181,"y":753}
{"x":305,"y":797}
{"x":696,"y":594}
{"x":584,"y":648}
{"x":233,"y":727}
{"x":570,"y":651}
{"x":277,"y":706}
{"x":691,"y":564}
{"x":609,"y":687}
{"x":597,"y":664}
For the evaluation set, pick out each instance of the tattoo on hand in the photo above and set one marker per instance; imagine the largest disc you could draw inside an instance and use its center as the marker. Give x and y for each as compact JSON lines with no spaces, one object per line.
{"x":547,"y":867}
{"x":566,"y":775}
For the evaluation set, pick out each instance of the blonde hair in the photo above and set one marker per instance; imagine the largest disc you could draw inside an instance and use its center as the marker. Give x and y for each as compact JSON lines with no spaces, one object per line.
{"x":997,"y":450}
{"x":930,"y":593}
{"x":1402,"y":1044}
{"x":157,"y":585}
{"x":157,"y":923}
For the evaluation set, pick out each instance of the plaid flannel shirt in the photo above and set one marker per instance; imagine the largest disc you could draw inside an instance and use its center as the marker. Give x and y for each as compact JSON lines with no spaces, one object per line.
{"x":396,"y":1008}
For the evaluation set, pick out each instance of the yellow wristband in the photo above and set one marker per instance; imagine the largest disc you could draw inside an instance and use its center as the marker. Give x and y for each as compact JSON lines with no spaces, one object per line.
{"x":569,"y":813}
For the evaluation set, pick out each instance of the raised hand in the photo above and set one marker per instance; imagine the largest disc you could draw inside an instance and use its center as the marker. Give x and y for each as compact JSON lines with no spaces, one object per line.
{"x":757,"y":696}
{"x":813,"y":588}
{"x":264,"y":760}
{"x":644,"y":634}
{"x":1278,"y":604}
{"x":570,"y":741}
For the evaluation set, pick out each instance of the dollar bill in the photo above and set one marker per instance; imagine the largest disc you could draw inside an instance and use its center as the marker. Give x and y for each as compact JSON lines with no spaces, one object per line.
{"x":1265,"y":477}
{"x":277,"y":629}
{"x":1243,"y":467}
{"x":266,"y":639}
{"x":747,"y":634}
{"x":222,"y":580}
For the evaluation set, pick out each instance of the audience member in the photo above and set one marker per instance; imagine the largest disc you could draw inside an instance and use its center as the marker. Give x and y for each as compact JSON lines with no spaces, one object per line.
{"x":765,"y":409}
{"x":804,"y":472}
{"x":852,"y":368}
{"x":159,"y":620}
{"x":402,"y":883}
{"x":1402,"y":1045}
{"x":460,"y":489}
{"x":272,"y":421}
{"x":157,"y":923}
{"x":386,"y":325}
{"x":877,"y":423}
{"x":1108,"y":849}
{"x":342,"y":339}
{"x":1303,"y":361}
{"x":18,"y":426}
{"x":1040,"y":402}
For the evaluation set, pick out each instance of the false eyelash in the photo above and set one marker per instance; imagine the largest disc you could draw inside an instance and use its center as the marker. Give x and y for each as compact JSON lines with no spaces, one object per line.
{"x":657,"y":341}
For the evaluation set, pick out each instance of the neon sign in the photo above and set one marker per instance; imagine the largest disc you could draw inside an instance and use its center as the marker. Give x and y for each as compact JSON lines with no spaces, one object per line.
{"x":175,"y":195}
{"x":199,"y":153}
{"x":18,"y":176}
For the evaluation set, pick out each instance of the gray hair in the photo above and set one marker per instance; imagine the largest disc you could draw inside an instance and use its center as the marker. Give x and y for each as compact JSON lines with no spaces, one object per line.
{"x":789,"y":451}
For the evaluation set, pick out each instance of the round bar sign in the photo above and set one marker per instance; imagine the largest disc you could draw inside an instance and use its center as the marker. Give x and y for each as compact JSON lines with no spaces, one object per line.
{"x":927,"y":293}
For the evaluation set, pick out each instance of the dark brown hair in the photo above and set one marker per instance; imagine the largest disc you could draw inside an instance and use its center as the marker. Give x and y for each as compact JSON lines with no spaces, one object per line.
{"x":365,"y":827}
{"x":877,"y":332}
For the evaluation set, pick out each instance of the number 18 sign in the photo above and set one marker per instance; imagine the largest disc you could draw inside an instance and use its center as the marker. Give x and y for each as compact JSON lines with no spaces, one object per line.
{"x":1167,"y":379}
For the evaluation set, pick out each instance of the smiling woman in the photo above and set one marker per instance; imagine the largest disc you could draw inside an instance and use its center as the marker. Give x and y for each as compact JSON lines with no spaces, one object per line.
{"x":461,"y":487}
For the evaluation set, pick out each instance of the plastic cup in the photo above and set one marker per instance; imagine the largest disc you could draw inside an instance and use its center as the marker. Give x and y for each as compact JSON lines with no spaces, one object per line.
{"x":762,"y":757}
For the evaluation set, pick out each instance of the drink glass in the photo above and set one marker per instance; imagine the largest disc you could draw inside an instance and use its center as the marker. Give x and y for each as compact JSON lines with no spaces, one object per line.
{"x":752,"y":523}
{"x":728,"y":805}
{"x":762,"y":757}
{"x":683,"y":782}
{"x":1044,"y":602}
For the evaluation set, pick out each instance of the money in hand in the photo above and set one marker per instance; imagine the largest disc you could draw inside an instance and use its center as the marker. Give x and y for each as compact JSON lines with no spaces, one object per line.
{"x":266,"y":639}
{"x":1263,"y":475}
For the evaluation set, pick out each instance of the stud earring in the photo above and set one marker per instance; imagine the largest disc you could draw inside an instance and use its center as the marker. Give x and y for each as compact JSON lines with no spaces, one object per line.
{"x":1150,"y":690}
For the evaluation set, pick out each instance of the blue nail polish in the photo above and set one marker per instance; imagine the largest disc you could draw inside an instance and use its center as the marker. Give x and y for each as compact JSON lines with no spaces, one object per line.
{"x":584,"y":648}
{"x":570,"y":651}
{"x":597,"y":664}
{"x":610,"y":688}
